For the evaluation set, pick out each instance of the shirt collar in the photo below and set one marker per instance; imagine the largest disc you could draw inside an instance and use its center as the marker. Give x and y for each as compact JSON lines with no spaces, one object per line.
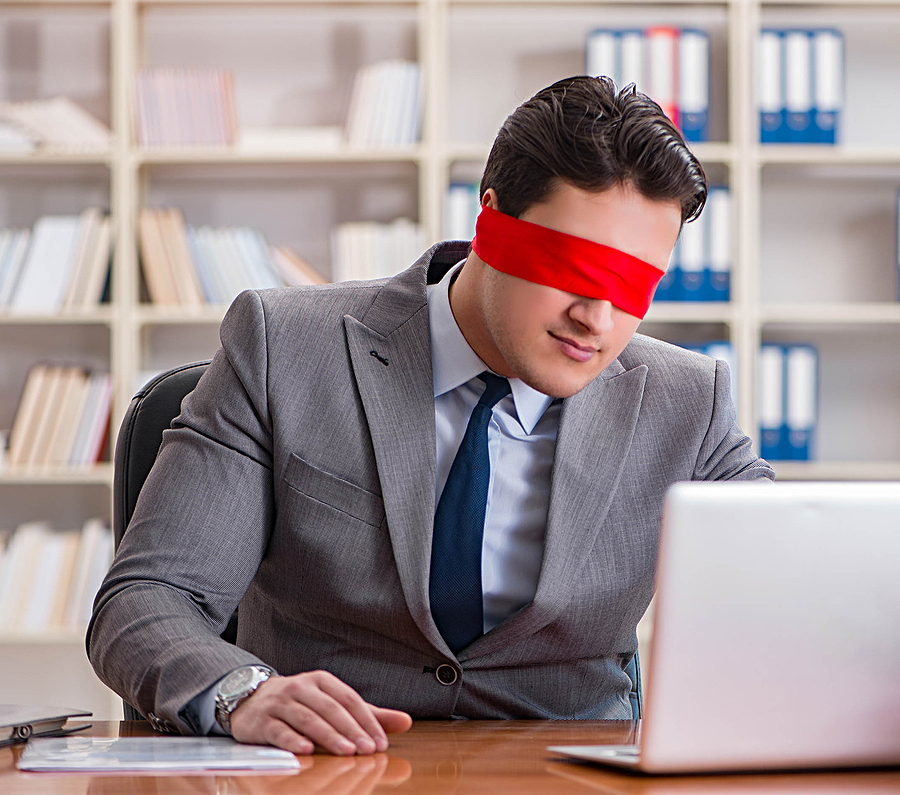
{"x":454,"y":363}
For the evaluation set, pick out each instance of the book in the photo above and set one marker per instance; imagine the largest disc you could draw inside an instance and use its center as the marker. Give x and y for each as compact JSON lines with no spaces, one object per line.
{"x":19,"y":723}
{"x":28,"y":415}
{"x":185,"y":107}
{"x":152,"y":754}
{"x":47,"y":270}
{"x":294,"y":269}
{"x":93,"y":551}
{"x":385,"y":105}
{"x":56,"y":123}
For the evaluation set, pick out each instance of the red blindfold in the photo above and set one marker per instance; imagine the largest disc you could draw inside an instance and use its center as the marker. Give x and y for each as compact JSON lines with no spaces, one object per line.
{"x":572,"y":264}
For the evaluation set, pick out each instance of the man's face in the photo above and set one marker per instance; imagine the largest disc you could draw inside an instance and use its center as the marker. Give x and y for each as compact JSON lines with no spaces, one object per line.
{"x":555,"y":341}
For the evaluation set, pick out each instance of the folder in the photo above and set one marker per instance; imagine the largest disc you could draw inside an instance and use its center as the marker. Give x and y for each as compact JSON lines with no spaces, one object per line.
{"x":770,"y":87}
{"x":724,"y":351}
{"x":798,"y":86}
{"x":771,"y":386}
{"x":719,"y":221}
{"x":669,"y":286}
{"x":600,"y":57}
{"x":461,"y":210}
{"x":828,"y":81}
{"x":693,"y":89}
{"x":662,"y":62}
{"x":693,"y":261}
{"x":17,"y":723}
{"x":801,"y":367}
{"x":631,"y":59}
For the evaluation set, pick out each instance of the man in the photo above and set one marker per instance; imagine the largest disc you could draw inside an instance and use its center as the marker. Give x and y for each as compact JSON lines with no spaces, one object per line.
{"x":323,"y":473}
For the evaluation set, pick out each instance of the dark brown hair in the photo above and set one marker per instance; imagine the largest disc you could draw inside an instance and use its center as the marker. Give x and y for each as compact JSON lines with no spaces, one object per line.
{"x":583,"y":131}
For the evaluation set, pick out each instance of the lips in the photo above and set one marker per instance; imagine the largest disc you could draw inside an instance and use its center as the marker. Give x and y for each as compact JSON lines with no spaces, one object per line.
{"x":574,"y":350}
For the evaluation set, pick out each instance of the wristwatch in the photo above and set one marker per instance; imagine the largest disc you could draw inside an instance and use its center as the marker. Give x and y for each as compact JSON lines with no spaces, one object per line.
{"x":235,"y":688}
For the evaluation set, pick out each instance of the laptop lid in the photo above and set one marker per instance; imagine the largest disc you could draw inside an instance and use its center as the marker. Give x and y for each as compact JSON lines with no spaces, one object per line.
{"x":776,"y":638}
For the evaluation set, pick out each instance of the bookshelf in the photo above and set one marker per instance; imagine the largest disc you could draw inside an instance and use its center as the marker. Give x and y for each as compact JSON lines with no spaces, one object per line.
{"x":814,"y":246}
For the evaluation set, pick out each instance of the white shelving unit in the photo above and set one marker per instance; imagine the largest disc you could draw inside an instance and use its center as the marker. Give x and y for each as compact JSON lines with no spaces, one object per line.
{"x":815,"y":243}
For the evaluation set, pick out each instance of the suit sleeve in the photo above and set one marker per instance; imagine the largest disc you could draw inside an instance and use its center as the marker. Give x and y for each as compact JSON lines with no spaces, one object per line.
{"x":726,"y":452}
{"x":197,"y":536}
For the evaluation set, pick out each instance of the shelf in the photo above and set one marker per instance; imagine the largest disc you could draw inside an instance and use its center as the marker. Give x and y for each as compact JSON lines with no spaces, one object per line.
{"x":61,"y":158}
{"x":100,"y":316}
{"x":238,"y":155}
{"x":169,"y":315}
{"x":862,"y":314}
{"x":836,"y":470}
{"x":57,"y":638}
{"x":101,"y":474}
{"x":772,"y":154}
{"x":690,"y":312}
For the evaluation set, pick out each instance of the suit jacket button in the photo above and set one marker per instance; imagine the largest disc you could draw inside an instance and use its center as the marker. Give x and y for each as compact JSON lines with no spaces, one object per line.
{"x":446,"y":674}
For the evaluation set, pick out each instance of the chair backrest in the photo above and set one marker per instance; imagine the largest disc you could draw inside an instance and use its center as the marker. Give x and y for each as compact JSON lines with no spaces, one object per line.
{"x":151,"y":412}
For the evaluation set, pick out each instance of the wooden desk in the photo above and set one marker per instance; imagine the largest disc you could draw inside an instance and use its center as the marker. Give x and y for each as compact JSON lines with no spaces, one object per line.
{"x":490,"y":757}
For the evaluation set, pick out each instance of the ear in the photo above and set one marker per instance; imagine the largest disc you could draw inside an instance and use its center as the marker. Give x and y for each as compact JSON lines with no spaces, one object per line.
{"x":490,"y":199}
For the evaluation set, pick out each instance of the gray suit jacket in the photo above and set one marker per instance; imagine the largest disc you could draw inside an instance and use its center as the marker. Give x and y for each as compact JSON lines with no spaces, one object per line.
{"x":299,"y":481}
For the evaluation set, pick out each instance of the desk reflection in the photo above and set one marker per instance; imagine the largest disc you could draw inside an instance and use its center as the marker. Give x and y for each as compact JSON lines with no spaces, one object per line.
{"x":444,"y":757}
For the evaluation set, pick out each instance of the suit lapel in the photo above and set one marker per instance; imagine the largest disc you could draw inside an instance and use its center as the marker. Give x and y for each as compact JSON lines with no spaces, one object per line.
{"x":595,"y":433}
{"x":390,"y":350}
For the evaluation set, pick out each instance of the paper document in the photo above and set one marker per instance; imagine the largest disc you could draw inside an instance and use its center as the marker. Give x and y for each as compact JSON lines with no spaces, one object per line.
{"x":152,"y":754}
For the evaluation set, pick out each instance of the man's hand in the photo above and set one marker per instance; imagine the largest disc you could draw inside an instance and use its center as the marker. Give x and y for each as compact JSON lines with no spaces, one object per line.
{"x":315,"y":708}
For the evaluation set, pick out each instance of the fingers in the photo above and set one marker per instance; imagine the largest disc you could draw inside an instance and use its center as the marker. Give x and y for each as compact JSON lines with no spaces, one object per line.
{"x":316,"y":708}
{"x":393,"y":721}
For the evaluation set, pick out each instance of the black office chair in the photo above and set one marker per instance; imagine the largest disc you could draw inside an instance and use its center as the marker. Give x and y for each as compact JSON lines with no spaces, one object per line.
{"x":151,"y":412}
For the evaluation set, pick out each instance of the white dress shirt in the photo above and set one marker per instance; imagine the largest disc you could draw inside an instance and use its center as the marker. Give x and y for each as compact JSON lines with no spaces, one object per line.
{"x":521,"y":444}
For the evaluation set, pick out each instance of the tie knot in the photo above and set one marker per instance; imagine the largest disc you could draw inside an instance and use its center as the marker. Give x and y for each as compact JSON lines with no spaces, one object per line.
{"x":497,"y":388}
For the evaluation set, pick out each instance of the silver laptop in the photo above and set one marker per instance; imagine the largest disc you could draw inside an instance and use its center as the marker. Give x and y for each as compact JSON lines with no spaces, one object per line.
{"x":776,"y":641}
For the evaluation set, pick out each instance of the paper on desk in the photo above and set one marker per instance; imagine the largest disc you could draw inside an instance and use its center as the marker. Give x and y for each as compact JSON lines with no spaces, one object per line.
{"x":152,"y":753}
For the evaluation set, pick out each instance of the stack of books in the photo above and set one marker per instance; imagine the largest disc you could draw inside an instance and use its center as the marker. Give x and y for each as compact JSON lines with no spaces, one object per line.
{"x":51,"y":124}
{"x":700,"y":267}
{"x":49,"y":578}
{"x":185,"y":107}
{"x":369,"y":250}
{"x":788,"y":401}
{"x":670,"y":65}
{"x":63,"y":263}
{"x":385,"y":105}
{"x":62,"y":419}
{"x":800,"y":78}
{"x":191,"y":266}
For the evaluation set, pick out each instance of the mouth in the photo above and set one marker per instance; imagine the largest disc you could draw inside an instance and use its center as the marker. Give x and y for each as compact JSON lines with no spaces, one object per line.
{"x":574,"y":350}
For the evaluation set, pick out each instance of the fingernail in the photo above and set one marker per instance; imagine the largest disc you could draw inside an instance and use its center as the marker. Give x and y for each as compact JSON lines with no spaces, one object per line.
{"x":346,"y":747}
{"x":381,"y":743}
{"x":365,"y":745}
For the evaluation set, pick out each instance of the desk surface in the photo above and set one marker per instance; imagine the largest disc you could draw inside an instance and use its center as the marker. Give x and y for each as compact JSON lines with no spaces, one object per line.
{"x":491,"y":757}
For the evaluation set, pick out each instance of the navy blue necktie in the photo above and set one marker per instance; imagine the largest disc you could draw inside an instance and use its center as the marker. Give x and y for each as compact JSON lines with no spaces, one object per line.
{"x":455,"y":583}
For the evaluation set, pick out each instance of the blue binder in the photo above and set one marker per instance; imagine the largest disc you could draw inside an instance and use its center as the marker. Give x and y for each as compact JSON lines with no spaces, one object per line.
{"x":801,"y":411}
{"x":771,"y":383}
{"x":828,"y":83}
{"x":770,"y":80}
{"x":693,"y":92}
{"x":798,"y":86}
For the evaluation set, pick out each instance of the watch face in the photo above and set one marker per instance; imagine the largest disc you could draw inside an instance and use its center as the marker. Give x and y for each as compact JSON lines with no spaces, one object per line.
{"x":236,"y":682}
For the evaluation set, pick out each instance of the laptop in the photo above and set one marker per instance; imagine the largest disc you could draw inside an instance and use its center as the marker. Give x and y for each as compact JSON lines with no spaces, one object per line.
{"x":776,"y":641}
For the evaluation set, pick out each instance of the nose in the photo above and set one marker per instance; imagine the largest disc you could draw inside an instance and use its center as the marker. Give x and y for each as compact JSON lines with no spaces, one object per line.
{"x":593,"y":314}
